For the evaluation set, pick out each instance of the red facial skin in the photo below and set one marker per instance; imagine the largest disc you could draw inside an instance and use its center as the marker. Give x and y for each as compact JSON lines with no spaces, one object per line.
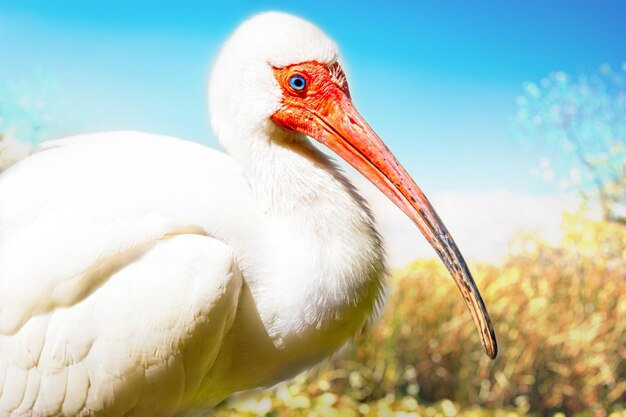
{"x":323,"y":110}
{"x":318,"y":97}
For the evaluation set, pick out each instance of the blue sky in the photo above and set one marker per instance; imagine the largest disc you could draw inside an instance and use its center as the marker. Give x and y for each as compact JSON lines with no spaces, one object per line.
{"x":436,"y":79}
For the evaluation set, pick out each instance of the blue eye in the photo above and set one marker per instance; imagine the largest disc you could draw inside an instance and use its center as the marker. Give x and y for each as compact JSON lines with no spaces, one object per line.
{"x":297,"y":82}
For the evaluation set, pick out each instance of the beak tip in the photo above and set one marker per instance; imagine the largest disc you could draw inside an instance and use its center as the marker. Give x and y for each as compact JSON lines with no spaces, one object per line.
{"x":490,"y":345}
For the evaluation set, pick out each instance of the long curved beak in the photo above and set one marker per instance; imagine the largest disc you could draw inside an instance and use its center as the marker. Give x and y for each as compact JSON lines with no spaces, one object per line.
{"x":343,"y":130}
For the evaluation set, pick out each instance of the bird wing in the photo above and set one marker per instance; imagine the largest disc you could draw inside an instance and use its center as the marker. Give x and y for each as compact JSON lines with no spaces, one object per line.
{"x":83,"y":207}
{"x":138,"y":345}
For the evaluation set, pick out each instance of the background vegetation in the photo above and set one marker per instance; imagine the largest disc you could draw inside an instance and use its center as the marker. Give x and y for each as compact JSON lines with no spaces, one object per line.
{"x":560,"y":316}
{"x":28,"y":115}
{"x":582,"y":121}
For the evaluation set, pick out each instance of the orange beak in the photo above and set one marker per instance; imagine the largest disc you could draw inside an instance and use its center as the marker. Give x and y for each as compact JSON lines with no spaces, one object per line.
{"x":333,"y":120}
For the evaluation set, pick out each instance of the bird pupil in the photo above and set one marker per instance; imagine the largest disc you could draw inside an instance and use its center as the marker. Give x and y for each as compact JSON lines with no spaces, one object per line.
{"x":297,"y":82}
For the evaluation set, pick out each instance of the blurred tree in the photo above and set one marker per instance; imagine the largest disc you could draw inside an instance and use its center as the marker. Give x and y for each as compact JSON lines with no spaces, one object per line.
{"x":26,"y":116}
{"x":585,"y":117}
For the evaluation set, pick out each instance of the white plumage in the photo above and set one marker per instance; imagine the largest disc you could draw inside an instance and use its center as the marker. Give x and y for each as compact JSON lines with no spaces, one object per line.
{"x":143,"y":275}
{"x":120,"y":256}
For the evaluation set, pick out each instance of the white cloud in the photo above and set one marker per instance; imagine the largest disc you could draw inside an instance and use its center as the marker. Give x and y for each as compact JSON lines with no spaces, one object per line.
{"x":481,"y":223}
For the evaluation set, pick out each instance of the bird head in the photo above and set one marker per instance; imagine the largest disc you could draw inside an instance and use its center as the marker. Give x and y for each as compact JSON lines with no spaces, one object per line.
{"x":281,"y":72}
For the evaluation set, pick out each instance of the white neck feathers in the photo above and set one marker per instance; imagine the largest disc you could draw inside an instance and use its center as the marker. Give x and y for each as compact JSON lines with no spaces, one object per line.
{"x":322,"y":251}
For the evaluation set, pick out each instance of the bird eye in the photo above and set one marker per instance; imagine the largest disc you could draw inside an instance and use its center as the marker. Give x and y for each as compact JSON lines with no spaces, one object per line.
{"x":297,"y":82}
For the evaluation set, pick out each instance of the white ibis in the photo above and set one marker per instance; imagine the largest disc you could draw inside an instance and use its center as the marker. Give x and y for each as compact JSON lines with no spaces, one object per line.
{"x":143,"y":275}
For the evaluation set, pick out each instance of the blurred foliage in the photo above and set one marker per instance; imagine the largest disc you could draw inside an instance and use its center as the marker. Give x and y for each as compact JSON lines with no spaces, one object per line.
{"x":585,"y":117}
{"x":25,"y":109}
{"x":26,"y":116}
{"x":560,"y":316}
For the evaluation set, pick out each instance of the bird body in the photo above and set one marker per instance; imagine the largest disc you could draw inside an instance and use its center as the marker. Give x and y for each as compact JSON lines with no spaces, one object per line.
{"x":133,"y":217}
{"x":143,"y":275}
